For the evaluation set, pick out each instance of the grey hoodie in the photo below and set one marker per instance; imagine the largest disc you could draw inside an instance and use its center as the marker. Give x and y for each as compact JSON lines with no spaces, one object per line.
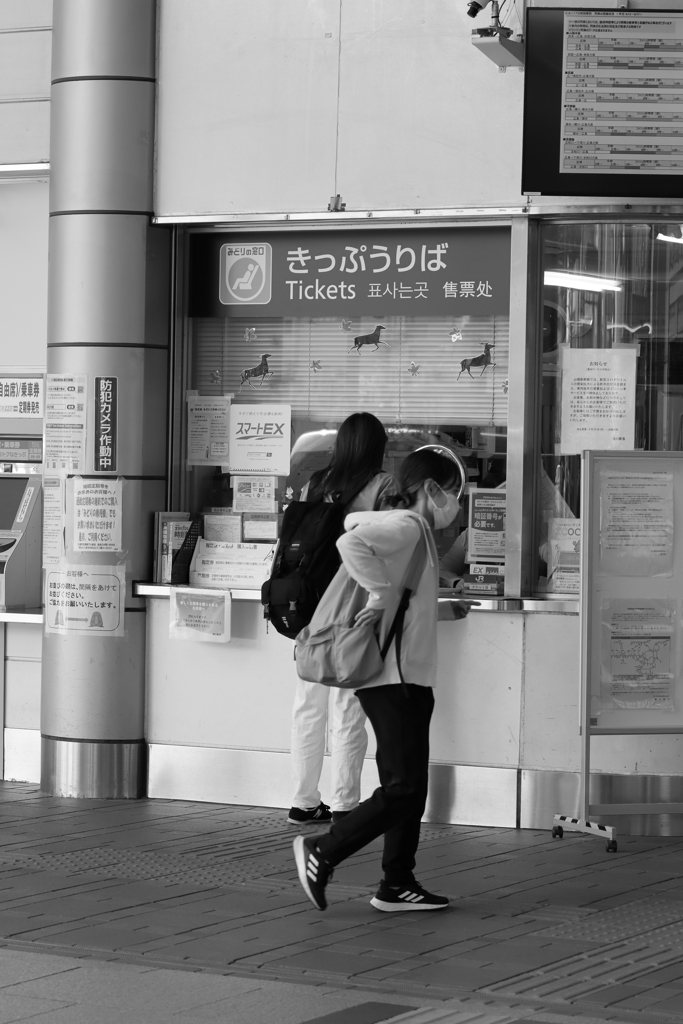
{"x":376,"y":550}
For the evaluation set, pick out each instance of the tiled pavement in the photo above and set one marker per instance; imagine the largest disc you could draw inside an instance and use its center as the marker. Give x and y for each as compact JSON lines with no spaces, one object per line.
{"x":114,"y":911}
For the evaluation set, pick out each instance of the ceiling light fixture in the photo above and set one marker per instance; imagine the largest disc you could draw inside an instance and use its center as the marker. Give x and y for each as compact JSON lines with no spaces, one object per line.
{"x":582,"y":282}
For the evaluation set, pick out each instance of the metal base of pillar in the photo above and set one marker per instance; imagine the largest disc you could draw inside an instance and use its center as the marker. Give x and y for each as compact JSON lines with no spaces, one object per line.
{"x":94,"y":769}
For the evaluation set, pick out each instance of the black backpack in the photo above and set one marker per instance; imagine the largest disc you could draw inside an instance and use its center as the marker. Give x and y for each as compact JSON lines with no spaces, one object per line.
{"x":306,"y":562}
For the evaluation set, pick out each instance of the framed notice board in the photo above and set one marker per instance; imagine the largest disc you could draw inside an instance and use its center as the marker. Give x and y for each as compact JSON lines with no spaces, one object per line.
{"x":631,"y":604}
{"x":603,"y":103}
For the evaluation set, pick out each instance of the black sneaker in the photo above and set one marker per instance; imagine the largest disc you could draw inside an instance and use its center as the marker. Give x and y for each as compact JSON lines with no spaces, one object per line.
{"x":409,"y":897}
{"x":297,"y":816}
{"x":314,"y":872}
{"x":339,"y":815}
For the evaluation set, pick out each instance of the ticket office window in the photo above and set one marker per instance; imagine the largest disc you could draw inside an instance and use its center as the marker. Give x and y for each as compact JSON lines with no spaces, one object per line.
{"x":612,"y":366}
{"x":437,"y":375}
{"x":412,"y":387}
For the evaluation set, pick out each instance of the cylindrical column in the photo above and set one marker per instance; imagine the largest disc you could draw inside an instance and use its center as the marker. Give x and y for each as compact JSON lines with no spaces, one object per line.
{"x":106,"y":317}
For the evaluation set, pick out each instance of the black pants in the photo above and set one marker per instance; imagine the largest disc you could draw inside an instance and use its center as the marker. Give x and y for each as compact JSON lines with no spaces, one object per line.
{"x":401,"y":725}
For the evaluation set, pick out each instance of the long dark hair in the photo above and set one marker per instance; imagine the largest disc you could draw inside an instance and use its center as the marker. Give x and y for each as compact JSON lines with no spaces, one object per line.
{"x":357,"y":457}
{"x":425,"y":464}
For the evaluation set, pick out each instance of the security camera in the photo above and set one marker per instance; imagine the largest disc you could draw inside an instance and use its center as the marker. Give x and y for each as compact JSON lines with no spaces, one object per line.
{"x":474,"y":6}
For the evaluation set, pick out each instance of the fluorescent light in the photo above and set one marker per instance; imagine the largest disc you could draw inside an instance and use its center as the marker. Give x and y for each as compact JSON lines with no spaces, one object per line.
{"x":582,"y":282}
{"x":668,"y":238}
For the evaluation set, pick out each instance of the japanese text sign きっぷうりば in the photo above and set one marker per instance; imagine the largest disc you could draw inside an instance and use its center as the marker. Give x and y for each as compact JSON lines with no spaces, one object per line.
{"x":21,"y":397}
{"x":202,"y":615}
{"x":87,"y":600}
{"x":106,"y":424}
{"x":207,"y":431}
{"x":598,"y":409}
{"x":438,"y":272}
{"x":65,"y":422}
{"x":486,"y":527}
{"x":98,"y":512}
{"x":260,"y":439}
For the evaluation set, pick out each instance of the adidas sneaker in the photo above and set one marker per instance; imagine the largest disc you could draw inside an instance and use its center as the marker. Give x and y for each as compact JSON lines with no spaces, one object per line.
{"x":314,"y":871}
{"x":298,"y":816}
{"x":409,"y":897}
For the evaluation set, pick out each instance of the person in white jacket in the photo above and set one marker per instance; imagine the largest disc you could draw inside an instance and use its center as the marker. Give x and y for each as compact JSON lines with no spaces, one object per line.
{"x":376,"y":550}
{"x":356,"y":469}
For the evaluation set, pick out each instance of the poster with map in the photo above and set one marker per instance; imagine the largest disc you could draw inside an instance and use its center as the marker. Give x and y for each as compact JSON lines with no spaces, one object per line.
{"x":638,"y":653}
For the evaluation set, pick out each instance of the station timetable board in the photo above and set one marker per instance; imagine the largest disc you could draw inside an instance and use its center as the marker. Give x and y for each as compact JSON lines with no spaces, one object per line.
{"x":603,"y":103}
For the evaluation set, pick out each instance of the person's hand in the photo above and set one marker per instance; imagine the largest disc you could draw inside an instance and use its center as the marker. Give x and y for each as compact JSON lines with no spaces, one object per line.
{"x":461,"y":608}
{"x":368,"y":615}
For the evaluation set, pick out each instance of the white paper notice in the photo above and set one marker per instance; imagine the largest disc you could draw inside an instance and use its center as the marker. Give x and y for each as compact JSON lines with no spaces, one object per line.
{"x":226,"y":528}
{"x":638,"y":653}
{"x":598,"y":399}
{"x":200,"y":615}
{"x":253,"y":494}
{"x":65,"y":423}
{"x":260,"y":439}
{"x":243,"y":566}
{"x":21,"y":397}
{"x":207,"y":430}
{"x":53,"y":520}
{"x":564,"y":556}
{"x":85,"y":599}
{"x":636,"y":523}
{"x":622,"y":106}
{"x":98,"y":514}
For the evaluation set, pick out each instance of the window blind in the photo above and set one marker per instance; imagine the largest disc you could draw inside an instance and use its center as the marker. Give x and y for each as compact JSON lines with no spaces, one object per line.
{"x":415,"y":376}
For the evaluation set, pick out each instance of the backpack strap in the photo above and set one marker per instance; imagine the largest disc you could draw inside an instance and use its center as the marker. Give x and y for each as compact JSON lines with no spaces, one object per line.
{"x":416,"y":567}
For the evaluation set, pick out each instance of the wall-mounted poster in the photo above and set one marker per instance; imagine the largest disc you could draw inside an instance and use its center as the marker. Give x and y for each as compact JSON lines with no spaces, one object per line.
{"x":66,"y":411}
{"x":85,"y":599}
{"x":636,"y":523}
{"x":486,"y":526}
{"x":200,"y":615}
{"x":598,"y":400}
{"x":260,"y":437}
{"x":207,"y":430}
{"x":98,"y":514}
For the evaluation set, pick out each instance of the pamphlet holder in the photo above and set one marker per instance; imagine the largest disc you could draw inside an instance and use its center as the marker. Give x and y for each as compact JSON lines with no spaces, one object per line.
{"x":636,"y":538}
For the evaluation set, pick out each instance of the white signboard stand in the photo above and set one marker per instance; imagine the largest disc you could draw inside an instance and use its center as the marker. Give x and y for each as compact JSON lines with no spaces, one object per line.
{"x":631,"y":614}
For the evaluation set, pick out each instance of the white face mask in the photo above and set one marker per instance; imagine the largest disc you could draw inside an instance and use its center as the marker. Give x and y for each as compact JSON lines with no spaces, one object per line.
{"x":443,"y":517}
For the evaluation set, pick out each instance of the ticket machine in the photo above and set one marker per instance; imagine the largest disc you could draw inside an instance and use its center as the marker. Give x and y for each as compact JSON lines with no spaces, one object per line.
{"x":21,"y":504}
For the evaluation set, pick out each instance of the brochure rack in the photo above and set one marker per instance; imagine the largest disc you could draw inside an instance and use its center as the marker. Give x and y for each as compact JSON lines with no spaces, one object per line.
{"x":631,"y":614}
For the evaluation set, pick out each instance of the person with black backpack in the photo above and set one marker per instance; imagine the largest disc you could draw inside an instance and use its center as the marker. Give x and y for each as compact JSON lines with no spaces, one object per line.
{"x":352,"y":482}
{"x":378,"y":551}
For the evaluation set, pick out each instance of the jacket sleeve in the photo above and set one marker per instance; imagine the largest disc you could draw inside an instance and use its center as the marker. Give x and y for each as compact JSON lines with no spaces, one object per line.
{"x":366,"y":549}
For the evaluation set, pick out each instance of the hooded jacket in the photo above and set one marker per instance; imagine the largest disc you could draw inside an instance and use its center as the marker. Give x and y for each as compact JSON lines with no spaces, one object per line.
{"x":376,"y":550}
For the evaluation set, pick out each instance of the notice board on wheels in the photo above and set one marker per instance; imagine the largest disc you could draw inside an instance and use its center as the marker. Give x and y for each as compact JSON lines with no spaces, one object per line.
{"x":631,"y":604}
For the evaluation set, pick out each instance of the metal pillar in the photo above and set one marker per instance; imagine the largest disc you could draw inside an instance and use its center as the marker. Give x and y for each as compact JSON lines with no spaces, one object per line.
{"x":107,"y":315}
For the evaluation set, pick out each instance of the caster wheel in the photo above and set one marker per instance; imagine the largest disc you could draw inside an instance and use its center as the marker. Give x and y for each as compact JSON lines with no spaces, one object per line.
{"x":558,"y":832}
{"x":611,"y":846}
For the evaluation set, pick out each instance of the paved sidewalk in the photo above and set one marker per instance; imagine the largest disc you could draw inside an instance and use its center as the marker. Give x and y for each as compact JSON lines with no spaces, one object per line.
{"x":114,"y":911}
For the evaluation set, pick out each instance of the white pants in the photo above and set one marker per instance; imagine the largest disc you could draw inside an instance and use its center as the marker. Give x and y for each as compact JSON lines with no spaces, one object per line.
{"x":348,"y":743}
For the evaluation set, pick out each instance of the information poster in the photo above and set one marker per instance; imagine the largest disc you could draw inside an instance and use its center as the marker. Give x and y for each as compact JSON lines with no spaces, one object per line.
{"x":223,"y":565}
{"x":254,"y":494}
{"x":225,"y":528}
{"x":636,"y":523}
{"x":200,"y":615}
{"x":208,"y":436}
{"x":486,"y":526}
{"x":86,"y":600}
{"x":65,"y":423}
{"x":21,"y":398}
{"x":621,"y":100}
{"x":54,"y":513}
{"x":564,"y":556}
{"x":598,"y":409}
{"x":638,"y":653}
{"x":260,"y":438}
{"x":97,"y":515}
